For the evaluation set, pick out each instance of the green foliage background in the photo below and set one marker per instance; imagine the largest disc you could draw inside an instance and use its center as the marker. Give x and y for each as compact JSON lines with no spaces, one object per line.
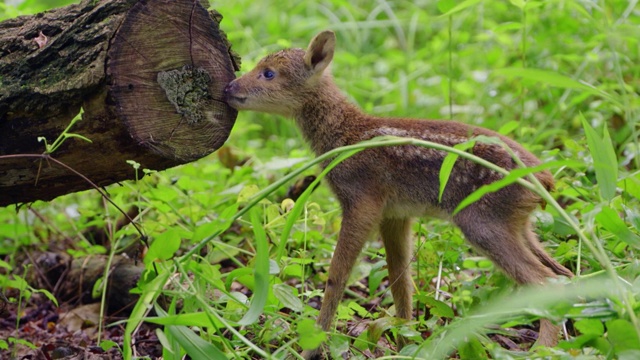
{"x":561,"y":77}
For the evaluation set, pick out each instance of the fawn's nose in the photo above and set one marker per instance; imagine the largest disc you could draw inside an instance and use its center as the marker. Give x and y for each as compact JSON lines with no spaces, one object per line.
{"x":231,"y":87}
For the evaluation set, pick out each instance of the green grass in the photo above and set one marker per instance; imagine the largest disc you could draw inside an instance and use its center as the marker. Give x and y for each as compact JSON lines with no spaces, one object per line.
{"x":561,"y":77}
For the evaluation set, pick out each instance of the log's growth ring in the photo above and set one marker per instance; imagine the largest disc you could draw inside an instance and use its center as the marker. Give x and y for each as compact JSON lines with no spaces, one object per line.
{"x":168,"y":61}
{"x":148,"y":76}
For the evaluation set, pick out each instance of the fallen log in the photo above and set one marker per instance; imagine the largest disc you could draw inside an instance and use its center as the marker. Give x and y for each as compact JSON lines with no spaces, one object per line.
{"x":146,"y":77}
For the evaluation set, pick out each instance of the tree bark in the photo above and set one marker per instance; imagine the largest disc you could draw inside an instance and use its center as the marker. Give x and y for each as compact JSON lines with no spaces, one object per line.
{"x":147,"y":77}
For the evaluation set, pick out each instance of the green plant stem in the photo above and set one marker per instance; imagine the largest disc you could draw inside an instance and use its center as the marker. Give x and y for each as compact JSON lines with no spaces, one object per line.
{"x":105,"y":277}
{"x":523,"y":40}
{"x":450,"y":51}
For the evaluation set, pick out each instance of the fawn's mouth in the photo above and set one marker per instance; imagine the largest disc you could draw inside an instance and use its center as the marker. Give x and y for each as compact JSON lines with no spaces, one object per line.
{"x":236,"y":99}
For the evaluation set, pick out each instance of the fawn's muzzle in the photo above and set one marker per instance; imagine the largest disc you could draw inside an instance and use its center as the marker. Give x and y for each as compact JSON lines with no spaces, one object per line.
{"x":230,"y":92}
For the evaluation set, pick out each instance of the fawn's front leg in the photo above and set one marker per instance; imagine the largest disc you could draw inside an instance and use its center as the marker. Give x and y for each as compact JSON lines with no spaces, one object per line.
{"x":358,"y":222}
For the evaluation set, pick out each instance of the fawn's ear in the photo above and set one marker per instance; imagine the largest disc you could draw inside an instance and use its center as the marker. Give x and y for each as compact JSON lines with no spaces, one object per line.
{"x":320,"y":51}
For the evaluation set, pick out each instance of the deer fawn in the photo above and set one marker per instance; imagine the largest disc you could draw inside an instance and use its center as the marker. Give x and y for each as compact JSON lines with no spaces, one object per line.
{"x":382,"y":189}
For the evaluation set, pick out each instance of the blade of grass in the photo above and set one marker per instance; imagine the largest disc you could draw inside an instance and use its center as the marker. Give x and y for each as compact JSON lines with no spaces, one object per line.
{"x":148,"y":296}
{"x":604,"y":159}
{"x":261,"y":272}
{"x":555,"y":79}
{"x":193,"y":344}
{"x":610,"y":220}
{"x":448,"y":163}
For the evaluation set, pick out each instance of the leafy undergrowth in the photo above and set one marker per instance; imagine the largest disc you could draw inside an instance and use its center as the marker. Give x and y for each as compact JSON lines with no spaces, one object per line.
{"x":241,"y":269}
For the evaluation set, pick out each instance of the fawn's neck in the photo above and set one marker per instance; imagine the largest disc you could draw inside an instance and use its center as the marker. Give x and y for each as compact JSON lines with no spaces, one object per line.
{"x":326,"y":118}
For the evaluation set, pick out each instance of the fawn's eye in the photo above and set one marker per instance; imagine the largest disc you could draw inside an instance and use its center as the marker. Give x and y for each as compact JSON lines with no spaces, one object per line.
{"x":268,"y":74}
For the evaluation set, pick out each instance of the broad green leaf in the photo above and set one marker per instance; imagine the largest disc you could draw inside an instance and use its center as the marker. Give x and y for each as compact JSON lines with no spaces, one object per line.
{"x":376,"y":276}
{"x":288,"y":297}
{"x":237,"y":273}
{"x":247,"y":193}
{"x":311,"y":336}
{"x":610,"y":220}
{"x":590,"y":326}
{"x":24,"y":342}
{"x":106,"y":345}
{"x":445,"y":5}
{"x":622,"y":335}
{"x":439,"y":308}
{"x":509,"y":127}
{"x":472,"y":349}
{"x":359,"y":309}
{"x":274,"y":269}
{"x":631,"y":185}
{"x":261,"y":272}
{"x":379,"y":326}
{"x":198,"y":319}
{"x":338,"y":346}
{"x":604,"y":159}
{"x":164,"y":246}
{"x":203,"y":230}
{"x":272,"y":213}
{"x":48,"y":294}
{"x":194,"y":345}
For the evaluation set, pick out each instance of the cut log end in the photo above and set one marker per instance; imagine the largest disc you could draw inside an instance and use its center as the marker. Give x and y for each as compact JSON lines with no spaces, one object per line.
{"x":167,"y":81}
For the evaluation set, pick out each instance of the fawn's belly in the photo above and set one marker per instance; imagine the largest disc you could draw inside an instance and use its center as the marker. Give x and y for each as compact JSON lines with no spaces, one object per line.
{"x":409,"y":209}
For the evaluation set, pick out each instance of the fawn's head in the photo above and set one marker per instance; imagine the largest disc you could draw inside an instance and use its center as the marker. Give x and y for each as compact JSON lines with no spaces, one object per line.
{"x":283,"y":81}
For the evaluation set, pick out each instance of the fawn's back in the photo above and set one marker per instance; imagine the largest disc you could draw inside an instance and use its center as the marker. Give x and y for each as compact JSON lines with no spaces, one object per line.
{"x":407,"y":176}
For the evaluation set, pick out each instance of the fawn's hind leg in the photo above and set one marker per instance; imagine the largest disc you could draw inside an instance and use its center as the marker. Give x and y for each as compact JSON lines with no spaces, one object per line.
{"x":536,"y":247}
{"x":505,"y":243}
{"x":548,"y":331}
{"x":395,"y":235}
